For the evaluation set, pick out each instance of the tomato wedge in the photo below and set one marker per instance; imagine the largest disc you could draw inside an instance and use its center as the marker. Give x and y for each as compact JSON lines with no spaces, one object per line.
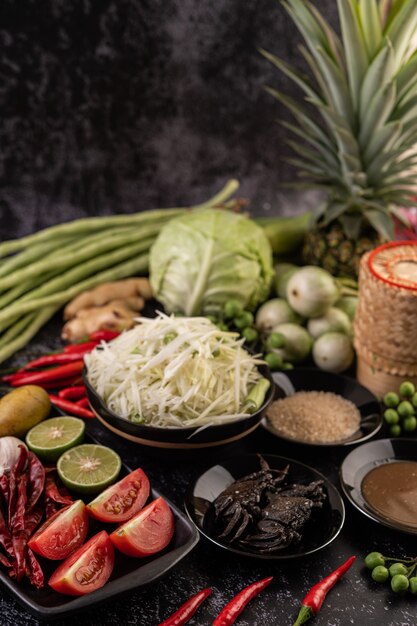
{"x":62,"y":533}
{"x":122,"y":500}
{"x":88,"y":569}
{"x":149,"y":532}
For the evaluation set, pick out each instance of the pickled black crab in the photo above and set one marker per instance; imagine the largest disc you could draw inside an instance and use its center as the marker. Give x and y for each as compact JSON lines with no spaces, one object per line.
{"x":264,"y":513}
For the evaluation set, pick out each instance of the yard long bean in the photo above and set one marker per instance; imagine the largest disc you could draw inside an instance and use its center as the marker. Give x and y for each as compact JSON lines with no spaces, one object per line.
{"x":41,"y":272}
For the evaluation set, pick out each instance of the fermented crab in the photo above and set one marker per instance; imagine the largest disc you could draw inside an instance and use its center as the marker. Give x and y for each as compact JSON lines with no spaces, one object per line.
{"x":284,"y":515}
{"x":261,"y":512}
{"x":239,"y":503}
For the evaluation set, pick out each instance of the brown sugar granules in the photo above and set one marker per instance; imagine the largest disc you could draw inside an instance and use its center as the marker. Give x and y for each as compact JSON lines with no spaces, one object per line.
{"x":314,"y":416}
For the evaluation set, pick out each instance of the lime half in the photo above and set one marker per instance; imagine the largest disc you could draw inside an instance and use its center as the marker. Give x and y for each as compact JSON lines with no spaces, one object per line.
{"x":89,"y":468}
{"x":49,"y":439}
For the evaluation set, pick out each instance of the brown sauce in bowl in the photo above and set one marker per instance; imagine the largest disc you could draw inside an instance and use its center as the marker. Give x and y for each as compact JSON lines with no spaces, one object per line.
{"x":391,"y":491}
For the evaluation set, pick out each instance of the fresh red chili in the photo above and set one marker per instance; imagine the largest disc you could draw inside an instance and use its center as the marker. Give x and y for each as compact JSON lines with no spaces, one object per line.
{"x":187,"y":610}
{"x":103,"y":335}
{"x":83,"y":402}
{"x":48,"y":376}
{"x":314,"y":599}
{"x":73,"y":393}
{"x":71,"y":407}
{"x":86,"y":346}
{"x":234,"y":608}
{"x":54,"y":359}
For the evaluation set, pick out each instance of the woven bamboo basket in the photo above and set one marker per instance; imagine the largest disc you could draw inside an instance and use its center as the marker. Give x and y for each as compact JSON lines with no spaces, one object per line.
{"x":386,"y":319}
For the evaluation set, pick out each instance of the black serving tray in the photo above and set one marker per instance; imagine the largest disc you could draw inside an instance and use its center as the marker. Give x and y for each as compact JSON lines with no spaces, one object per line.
{"x":129,"y":573}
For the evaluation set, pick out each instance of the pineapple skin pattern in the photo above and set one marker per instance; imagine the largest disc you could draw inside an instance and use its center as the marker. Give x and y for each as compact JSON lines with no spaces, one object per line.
{"x":355,"y":129}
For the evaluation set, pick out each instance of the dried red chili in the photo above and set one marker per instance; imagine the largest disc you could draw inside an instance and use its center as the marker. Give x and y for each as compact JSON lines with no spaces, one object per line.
{"x":234,"y":608}
{"x":36,"y":480}
{"x":314,"y":599}
{"x":187,"y":610}
{"x":52,"y":492}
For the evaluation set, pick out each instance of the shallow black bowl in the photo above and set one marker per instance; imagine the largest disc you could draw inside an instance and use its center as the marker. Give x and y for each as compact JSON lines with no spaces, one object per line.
{"x":362,"y":460}
{"x":321,"y":529}
{"x":178,"y":438}
{"x":311,"y":379}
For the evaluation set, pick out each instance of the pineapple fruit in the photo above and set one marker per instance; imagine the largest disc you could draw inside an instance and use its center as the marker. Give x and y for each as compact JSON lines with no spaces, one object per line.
{"x":358,"y":125}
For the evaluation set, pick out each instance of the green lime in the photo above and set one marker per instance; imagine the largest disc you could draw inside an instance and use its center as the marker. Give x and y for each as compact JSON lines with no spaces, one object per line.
{"x":391,"y":416}
{"x":380,"y":574}
{"x":414,"y":400}
{"x":391,"y":400}
{"x":399,"y":582}
{"x":407,"y":389}
{"x":89,"y":468}
{"x":49,"y":439}
{"x":398,"y":568}
{"x":413,"y":585}
{"x":373,"y":559}
{"x":405,"y":409}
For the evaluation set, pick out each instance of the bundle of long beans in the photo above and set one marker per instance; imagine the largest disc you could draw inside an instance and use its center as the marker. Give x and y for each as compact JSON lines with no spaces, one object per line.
{"x":41,"y":272}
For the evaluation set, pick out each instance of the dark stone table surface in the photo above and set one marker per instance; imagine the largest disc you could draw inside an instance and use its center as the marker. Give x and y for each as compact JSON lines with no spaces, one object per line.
{"x":355,"y":599}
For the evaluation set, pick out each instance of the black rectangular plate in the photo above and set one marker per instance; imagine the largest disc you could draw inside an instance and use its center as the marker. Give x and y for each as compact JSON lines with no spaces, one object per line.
{"x":128,"y":574}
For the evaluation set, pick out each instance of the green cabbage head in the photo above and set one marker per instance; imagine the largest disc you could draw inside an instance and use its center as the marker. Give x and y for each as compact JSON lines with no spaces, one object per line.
{"x":204,"y":258}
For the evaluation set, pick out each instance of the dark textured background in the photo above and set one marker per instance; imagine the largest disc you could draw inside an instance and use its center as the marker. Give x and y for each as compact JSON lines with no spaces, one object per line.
{"x":119,"y":105}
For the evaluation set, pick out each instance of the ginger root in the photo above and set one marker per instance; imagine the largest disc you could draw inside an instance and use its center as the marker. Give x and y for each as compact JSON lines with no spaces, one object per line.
{"x":116,"y":316}
{"x":110,"y":306}
{"x":120,"y":290}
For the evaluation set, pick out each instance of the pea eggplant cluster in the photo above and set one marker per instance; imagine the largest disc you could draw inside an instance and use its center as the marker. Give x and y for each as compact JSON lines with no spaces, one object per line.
{"x":399,"y":572}
{"x":401,"y":409}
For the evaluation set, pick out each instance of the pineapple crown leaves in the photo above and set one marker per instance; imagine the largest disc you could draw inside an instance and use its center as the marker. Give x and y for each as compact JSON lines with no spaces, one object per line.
{"x":363,"y":85}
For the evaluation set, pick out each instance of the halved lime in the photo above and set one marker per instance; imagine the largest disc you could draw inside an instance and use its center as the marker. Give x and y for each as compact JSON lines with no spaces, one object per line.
{"x":89,"y":468}
{"x":49,"y":439}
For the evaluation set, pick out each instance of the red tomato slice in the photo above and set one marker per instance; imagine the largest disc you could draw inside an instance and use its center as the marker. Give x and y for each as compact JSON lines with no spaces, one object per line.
{"x":62,"y":533}
{"x":122,"y":500}
{"x":88,"y":569}
{"x":148,"y":532}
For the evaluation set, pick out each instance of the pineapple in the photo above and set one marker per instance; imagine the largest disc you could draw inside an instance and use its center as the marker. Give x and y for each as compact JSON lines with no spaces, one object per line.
{"x":358,"y":125}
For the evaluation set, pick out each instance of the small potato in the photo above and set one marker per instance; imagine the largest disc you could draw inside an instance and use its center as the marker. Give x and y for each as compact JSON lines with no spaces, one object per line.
{"x":23,"y":408}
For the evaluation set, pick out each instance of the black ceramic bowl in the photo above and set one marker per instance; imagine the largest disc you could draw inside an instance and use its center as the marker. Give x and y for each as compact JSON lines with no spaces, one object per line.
{"x":312,"y":379}
{"x":321,"y":529}
{"x":178,"y":438}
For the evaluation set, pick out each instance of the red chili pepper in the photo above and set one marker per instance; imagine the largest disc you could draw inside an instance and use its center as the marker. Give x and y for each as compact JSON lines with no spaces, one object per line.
{"x":234,"y":608}
{"x":103,"y":335}
{"x":86,"y":346}
{"x":71,"y":407}
{"x":34,"y":570}
{"x":52,"y":492}
{"x":48,"y":376}
{"x":314,"y":599}
{"x":187,"y":610}
{"x":76,"y":392}
{"x":83,"y":402}
{"x":36,"y":480}
{"x":54,"y":359}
